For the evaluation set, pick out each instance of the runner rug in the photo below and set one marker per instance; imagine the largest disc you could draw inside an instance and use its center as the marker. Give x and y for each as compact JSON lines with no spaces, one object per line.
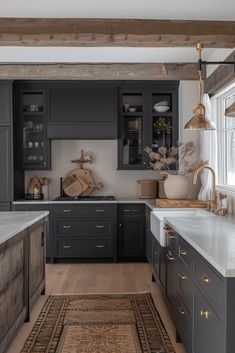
{"x":104,"y":323}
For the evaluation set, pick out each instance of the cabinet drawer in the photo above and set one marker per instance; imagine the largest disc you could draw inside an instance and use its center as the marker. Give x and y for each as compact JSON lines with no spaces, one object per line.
{"x":210,"y":281}
{"x":185,"y":254}
{"x":85,"y":210}
{"x":185,"y":285}
{"x":184,"y":324}
{"x":85,"y":248}
{"x":131,"y":209}
{"x":83,"y":227}
{"x":209,"y":331}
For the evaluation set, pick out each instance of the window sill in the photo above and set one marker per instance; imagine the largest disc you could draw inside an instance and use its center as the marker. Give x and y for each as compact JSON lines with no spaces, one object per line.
{"x":228,"y":188}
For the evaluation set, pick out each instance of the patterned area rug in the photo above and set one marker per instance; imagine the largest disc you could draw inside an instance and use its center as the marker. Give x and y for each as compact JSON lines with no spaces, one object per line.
{"x":104,"y":323}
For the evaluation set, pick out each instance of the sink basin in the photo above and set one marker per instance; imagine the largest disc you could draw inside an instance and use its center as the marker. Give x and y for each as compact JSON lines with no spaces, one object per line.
{"x":157,"y":219}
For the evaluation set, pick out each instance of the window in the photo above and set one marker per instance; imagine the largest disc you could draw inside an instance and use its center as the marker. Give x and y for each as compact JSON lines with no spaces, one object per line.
{"x":225,"y":137}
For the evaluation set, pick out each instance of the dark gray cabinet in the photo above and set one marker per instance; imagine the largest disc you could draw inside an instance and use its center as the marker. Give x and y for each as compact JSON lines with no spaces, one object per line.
{"x":139,"y":121}
{"x":31,"y":115}
{"x":148,"y":236}
{"x":5,"y":103}
{"x":131,"y":231}
{"x":6,"y":167}
{"x":83,"y":110}
{"x":83,"y":232}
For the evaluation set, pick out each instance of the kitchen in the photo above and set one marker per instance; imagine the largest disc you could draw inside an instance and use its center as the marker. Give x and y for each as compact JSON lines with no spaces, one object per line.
{"x":77,"y":197}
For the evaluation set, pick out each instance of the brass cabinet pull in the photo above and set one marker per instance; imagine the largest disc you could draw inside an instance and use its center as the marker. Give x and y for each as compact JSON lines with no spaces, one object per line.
{"x":168,"y":230}
{"x":67,"y":246}
{"x":205,"y":314}
{"x":205,"y":278}
{"x":99,"y":210}
{"x":182,"y":275}
{"x":170,"y":256}
{"x":126,"y":210}
{"x":99,"y":226}
{"x":181,"y":310}
{"x":183,"y":252}
{"x":66,"y":210}
{"x":100,"y":246}
{"x":67,"y":227}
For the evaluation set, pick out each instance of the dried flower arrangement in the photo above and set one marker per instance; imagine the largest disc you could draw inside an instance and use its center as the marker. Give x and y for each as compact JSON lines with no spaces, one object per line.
{"x":177,"y":155}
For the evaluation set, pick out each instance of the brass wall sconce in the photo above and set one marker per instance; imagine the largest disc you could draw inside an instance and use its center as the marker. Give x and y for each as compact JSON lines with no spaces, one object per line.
{"x":199,"y":121}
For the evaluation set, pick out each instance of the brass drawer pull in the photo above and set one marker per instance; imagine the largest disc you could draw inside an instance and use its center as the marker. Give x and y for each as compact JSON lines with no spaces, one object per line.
{"x":66,"y":210}
{"x":168,"y":230}
{"x":67,"y":227}
{"x":183,"y":252}
{"x":100,"y":246}
{"x":170,"y":256}
{"x":99,"y":210}
{"x":126,"y":210}
{"x":205,"y":278}
{"x":205,"y":314}
{"x":99,"y":226}
{"x":181,"y":310}
{"x":182,"y":275}
{"x":67,"y":246}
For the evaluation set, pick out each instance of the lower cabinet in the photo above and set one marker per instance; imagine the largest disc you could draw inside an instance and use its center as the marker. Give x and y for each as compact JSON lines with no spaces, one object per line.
{"x":22,"y":276}
{"x":131,"y":232}
{"x":83,"y":232}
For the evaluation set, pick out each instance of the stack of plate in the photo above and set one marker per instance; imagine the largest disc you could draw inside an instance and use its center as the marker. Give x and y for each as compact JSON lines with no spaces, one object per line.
{"x":161,"y":107}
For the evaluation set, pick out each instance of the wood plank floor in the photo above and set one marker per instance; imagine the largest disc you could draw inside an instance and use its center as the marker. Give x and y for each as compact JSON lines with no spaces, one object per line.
{"x":98,"y":278}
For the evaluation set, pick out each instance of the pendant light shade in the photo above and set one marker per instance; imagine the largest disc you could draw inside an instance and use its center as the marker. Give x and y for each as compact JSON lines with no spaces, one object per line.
{"x":199,"y":120}
{"x":230,"y":111}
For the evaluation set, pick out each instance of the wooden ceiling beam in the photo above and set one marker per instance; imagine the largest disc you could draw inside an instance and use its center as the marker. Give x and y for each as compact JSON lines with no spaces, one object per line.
{"x":115,"y":32}
{"x":56,"y":71}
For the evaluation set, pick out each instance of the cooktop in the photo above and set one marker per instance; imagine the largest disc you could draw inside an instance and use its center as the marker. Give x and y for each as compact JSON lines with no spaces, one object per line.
{"x":85,"y":198}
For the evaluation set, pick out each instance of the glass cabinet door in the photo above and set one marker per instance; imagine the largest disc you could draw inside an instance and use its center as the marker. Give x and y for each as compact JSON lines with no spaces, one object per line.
{"x":132,"y":146}
{"x":34,"y":130}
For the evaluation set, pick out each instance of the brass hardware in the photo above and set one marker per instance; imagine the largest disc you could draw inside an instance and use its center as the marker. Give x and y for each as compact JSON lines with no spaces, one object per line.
{"x":183,"y":252}
{"x":66,"y":210}
{"x":67,"y":227}
{"x":170,"y":256}
{"x":181,"y":310}
{"x":99,"y":226}
{"x":168,"y":230}
{"x":205,"y":314}
{"x":67,"y":246}
{"x":99,"y":246}
{"x":99,"y":210}
{"x":126,"y":210}
{"x":182,"y":275}
{"x":205,"y":278}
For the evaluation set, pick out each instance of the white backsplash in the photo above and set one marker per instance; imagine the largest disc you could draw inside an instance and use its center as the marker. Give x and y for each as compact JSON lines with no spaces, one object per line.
{"x":121,"y":183}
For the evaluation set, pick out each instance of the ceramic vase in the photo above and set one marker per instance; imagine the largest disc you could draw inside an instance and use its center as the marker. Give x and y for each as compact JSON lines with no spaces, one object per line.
{"x":176,"y":186}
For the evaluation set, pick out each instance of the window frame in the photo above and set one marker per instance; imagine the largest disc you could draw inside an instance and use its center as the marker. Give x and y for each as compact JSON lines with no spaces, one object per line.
{"x":218,"y":108}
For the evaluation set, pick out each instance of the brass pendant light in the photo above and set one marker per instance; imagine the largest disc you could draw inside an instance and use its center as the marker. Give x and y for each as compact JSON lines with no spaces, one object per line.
{"x":230,"y":111}
{"x":199,"y":121}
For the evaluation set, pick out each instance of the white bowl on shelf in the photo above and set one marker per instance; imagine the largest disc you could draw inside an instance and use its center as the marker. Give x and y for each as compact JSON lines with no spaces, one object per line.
{"x":161,"y":108}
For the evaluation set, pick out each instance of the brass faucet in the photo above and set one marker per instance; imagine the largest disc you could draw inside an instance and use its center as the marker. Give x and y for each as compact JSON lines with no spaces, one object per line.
{"x":198,"y":170}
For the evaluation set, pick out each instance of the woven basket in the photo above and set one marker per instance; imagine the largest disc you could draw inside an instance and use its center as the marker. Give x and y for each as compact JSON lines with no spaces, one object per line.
{"x":147,"y":189}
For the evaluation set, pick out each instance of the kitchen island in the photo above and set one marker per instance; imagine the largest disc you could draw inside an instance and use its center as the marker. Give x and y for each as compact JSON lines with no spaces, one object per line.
{"x":22,"y":269}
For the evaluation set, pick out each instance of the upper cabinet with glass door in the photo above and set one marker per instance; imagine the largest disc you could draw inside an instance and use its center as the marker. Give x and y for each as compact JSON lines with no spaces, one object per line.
{"x":148,"y":117}
{"x":36,"y":146}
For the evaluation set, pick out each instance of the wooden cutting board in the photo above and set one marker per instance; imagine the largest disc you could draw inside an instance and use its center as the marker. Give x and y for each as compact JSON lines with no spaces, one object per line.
{"x":167,"y":203}
{"x":73,"y":186}
{"x":86,"y":176}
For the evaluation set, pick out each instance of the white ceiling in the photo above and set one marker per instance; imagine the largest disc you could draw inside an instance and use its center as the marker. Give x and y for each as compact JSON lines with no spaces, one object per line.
{"x":152,"y":9}
{"x":148,"y":9}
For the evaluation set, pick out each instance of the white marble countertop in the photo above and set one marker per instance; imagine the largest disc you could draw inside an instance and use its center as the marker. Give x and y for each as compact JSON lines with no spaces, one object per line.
{"x":212,"y":237}
{"x":12,"y":223}
{"x":149,"y":202}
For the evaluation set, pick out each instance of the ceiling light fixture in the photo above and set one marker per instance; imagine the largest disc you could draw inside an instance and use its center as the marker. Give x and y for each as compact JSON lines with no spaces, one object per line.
{"x":199,"y":121}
